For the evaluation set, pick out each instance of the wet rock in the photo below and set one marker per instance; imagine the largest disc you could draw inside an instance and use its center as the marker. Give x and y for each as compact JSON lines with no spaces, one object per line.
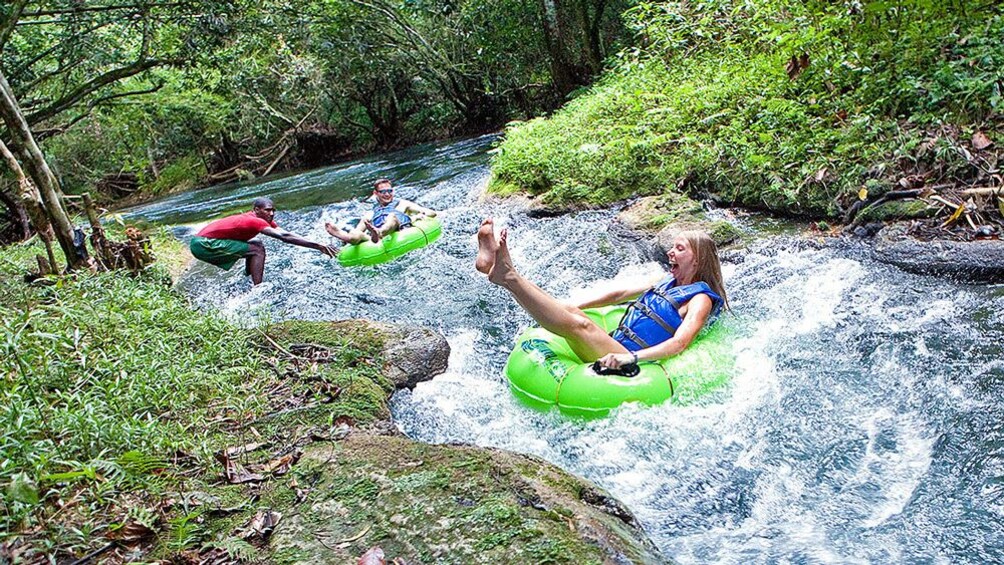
{"x":412,"y":354}
{"x":651,"y":223}
{"x":723,"y":233}
{"x":653,"y":213}
{"x":645,"y":243}
{"x":461,"y":505}
{"x":975,"y":262}
{"x":868,"y":230}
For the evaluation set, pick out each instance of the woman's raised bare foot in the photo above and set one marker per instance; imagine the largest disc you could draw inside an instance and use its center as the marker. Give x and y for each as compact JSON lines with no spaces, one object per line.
{"x":502,"y":269}
{"x":487,"y":246}
{"x":374,"y":232}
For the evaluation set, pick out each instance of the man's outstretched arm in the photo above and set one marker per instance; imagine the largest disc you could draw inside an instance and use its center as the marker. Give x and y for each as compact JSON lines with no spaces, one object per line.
{"x":289,"y":237}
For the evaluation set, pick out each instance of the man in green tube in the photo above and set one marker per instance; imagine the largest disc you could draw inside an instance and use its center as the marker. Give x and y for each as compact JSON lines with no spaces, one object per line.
{"x":388,"y":216}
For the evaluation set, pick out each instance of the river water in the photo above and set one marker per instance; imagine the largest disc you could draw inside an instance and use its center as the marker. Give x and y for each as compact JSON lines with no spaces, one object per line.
{"x":864,"y":424}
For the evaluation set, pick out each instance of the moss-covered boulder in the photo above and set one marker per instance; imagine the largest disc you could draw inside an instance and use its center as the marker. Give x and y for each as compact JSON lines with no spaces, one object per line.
{"x":357,"y":483}
{"x":450,"y":504}
{"x":653,"y":213}
{"x":669,"y":214}
{"x":407,"y":355}
{"x":722,"y":233}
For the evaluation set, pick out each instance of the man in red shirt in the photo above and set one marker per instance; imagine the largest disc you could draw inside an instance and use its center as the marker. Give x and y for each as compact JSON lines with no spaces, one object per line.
{"x":225,"y":241}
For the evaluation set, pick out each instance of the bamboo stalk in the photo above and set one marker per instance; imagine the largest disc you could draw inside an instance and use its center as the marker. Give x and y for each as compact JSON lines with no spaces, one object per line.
{"x":984,"y":190}
{"x":941,"y":200}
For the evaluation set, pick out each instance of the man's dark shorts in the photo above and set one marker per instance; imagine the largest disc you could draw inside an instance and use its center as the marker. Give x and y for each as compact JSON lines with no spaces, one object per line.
{"x":220,"y":252}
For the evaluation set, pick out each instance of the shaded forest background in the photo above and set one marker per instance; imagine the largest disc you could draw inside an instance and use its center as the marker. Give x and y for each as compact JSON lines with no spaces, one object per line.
{"x":147,"y":96}
{"x":805,"y":108}
{"x":812,"y":108}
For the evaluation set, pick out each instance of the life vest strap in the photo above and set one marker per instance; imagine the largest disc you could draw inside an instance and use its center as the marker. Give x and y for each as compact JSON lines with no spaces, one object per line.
{"x":665,"y":296}
{"x":652,"y":315}
{"x":628,"y":333}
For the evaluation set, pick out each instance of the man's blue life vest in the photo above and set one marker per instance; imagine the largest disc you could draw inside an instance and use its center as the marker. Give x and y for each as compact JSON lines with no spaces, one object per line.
{"x":654,"y":317}
{"x":380,"y":214}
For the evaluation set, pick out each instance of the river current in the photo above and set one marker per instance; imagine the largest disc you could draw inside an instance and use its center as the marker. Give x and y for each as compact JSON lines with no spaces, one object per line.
{"x":864,"y":423}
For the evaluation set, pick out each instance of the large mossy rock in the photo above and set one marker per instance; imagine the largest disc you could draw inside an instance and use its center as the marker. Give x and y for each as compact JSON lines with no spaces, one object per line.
{"x":451,"y":504}
{"x":669,"y":214}
{"x":360,"y":484}
{"x":665,"y":216}
{"x":408,"y":354}
{"x":653,"y":213}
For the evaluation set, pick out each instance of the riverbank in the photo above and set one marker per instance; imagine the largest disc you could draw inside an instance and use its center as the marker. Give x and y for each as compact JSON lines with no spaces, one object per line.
{"x":139,"y":428}
{"x":826,"y":114}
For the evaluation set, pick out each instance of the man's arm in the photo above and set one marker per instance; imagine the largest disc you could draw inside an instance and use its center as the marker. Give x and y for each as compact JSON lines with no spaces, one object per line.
{"x":289,"y":237}
{"x":411,"y":208}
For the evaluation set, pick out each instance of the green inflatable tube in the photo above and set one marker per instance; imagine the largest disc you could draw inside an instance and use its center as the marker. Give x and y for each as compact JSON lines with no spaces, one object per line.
{"x":421,"y":233}
{"x":543,"y":372}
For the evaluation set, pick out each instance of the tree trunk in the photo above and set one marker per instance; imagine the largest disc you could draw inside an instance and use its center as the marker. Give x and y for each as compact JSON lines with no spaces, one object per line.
{"x":590,"y":24}
{"x":31,"y":203}
{"x":17,"y":213}
{"x":561,"y":72}
{"x":23,"y":144}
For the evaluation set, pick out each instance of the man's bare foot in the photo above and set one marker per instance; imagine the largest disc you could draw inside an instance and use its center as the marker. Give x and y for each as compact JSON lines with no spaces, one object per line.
{"x":487,"y":246}
{"x":333,"y":231}
{"x":502,"y":269}
{"x":374,"y":232}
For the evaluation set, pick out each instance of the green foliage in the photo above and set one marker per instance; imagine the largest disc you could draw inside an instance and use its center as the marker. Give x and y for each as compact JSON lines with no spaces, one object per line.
{"x":224,"y":83}
{"x":707,"y":103}
{"x":105,"y":379}
{"x":182,"y":174}
{"x":103,"y":376}
{"x":169,"y":130}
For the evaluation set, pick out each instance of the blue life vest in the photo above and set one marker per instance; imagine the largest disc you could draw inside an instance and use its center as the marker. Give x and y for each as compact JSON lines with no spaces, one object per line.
{"x":380,"y":214}
{"x":654,"y":317}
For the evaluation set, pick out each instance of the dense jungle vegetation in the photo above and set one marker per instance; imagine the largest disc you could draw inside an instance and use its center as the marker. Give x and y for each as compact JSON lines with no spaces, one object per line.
{"x":784,"y":105}
{"x":117,"y":398}
{"x":154,"y":95}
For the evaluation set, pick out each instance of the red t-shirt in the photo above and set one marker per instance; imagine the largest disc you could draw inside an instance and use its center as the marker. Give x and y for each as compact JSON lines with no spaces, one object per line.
{"x":240,"y":227}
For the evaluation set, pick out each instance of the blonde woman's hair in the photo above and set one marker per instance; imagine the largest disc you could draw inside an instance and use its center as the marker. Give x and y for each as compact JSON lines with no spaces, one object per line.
{"x":709,"y":267}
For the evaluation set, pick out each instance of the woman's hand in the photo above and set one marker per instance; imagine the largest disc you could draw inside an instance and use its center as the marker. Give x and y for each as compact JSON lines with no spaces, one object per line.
{"x":617,"y":360}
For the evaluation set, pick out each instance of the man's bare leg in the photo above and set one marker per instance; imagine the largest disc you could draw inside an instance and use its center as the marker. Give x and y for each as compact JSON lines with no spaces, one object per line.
{"x":586,"y":339}
{"x":354,"y":236}
{"x":254,"y":262}
{"x":390,"y":225}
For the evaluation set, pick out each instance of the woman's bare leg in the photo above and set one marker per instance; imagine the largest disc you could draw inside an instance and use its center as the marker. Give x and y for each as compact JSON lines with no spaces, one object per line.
{"x":586,"y":339}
